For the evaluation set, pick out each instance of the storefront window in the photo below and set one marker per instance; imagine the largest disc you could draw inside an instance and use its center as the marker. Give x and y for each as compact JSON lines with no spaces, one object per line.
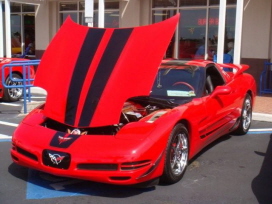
{"x":192,"y":28}
{"x":193,"y":3}
{"x":217,"y":2}
{"x":82,"y":19}
{"x":232,"y":2}
{"x":22,"y":29}
{"x":68,"y":6}
{"x":197,"y":34}
{"x":112,"y":5}
{"x":164,"y":3}
{"x":29,"y":33}
{"x":15,"y":7}
{"x":111,"y":17}
{"x":230,"y":30}
{"x":28,"y":8}
{"x":16,"y":35}
{"x":160,"y":15}
{"x":68,"y":9}
{"x":81,"y":6}
{"x":73,"y":16}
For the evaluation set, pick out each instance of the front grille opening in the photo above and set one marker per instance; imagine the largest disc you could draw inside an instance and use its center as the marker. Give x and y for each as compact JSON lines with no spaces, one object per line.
{"x":26,"y":154}
{"x":98,"y":167}
{"x":13,"y":146}
{"x":14,"y":158}
{"x":120,"y":178}
{"x":57,"y":126}
{"x":134,"y":165}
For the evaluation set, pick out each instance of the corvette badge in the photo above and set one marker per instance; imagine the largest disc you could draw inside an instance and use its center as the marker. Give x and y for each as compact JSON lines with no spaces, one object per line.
{"x":56,"y":158}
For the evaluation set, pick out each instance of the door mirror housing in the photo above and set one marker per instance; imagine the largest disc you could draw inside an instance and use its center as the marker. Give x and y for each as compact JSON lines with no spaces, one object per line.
{"x":221,"y":90}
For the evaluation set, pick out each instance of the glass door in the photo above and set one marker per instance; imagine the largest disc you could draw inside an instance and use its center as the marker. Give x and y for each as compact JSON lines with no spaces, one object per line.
{"x":29,"y":34}
{"x":16,"y":34}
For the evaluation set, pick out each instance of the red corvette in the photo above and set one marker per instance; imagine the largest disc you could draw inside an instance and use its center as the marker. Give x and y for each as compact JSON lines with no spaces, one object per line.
{"x":12,"y":94}
{"x":117,"y":119}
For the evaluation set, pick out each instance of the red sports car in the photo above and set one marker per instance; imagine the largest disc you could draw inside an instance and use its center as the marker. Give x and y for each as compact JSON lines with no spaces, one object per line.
{"x":110,"y":117}
{"x":13,"y":94}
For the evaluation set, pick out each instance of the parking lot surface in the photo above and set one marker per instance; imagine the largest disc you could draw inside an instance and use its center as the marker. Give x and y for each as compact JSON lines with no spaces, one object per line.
{"x":234,"y":169}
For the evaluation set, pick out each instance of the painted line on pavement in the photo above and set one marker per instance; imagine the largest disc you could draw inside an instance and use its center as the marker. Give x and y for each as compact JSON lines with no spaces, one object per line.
{"x":38,"y":97}
{"x":8,"y":124}
{"x":259,"y":132}
{"x":5,"y":138}
{"x":10,"y":104}
{"x":260,"y":129}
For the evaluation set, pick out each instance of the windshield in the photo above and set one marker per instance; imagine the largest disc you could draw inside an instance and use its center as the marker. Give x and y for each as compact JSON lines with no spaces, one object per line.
{"x":178,"y":84}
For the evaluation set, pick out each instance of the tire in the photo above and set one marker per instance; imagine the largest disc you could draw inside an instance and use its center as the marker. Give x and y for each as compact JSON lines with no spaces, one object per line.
{"x":13,"y":94}
{"x":176,"y":159}
{"x":246,"y":117}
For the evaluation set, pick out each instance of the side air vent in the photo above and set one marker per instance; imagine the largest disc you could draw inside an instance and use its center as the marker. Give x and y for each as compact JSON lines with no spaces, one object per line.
{"x":26,"y":154}
{"x":134,"y":165}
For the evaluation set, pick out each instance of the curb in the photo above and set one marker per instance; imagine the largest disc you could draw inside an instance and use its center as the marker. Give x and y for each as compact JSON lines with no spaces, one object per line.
{"x":30,"y":106}
{"x":262,"y":117}
{"x":38,"y":90}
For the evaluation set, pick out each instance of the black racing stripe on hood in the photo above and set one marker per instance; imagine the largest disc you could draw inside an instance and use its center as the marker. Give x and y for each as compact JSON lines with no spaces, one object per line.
{"x":87,"y":52}
{"x":63,"y":140}
{"x":112,"y":53}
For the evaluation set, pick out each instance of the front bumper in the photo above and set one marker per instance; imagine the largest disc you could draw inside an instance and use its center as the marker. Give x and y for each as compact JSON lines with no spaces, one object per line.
{"x":125,"y":165}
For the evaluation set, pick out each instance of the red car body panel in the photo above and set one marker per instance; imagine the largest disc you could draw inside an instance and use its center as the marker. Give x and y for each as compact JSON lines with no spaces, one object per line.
{"x":96,"y":68}
{"x":15,"y":69}
{"x":136,"y":151}
{"x":135,"y":144}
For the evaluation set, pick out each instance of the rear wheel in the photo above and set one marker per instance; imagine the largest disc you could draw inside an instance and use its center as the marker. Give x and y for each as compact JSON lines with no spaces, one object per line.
{"x":13,"y":94}
{"x":246,"y":116}
{"x":176,"y":155}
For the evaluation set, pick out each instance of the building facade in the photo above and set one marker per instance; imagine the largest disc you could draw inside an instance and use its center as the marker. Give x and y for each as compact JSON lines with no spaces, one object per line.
{"x":33,"y":23}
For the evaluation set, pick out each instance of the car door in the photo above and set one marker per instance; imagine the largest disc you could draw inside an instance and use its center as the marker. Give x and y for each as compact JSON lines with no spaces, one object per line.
{"x":220,"y":104}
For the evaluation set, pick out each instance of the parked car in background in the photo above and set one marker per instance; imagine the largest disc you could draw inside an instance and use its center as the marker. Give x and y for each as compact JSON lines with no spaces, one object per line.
{"x":10,"y":77}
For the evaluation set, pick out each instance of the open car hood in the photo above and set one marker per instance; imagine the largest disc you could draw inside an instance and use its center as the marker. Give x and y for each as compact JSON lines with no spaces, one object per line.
{"x":89,"y":73}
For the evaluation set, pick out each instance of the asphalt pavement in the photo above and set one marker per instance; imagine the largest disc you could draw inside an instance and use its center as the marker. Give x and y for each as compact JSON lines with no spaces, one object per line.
{"x":234,"y":169}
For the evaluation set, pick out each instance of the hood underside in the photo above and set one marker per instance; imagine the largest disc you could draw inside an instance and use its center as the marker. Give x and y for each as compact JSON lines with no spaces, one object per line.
{"x":89,"y":73}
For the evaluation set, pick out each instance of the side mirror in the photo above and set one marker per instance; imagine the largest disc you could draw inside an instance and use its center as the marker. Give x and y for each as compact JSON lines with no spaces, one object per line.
{"x":221,"y":90}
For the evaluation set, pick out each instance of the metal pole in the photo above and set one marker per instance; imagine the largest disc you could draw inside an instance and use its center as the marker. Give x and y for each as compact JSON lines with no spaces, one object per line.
{"x":8,"y":29}
{"x":1,"y":31}
{"x":221,"y":31}
{"x":207,"y":44}
{"x":101,"y":11}
{"x":89,"y":12}
{"x":238,"y":31}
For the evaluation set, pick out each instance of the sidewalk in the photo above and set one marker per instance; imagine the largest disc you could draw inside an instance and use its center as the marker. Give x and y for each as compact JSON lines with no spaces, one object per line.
{"x":262,"y":109}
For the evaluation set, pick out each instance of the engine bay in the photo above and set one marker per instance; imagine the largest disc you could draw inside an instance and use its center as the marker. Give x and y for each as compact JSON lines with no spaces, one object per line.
{"x":133,"y":110}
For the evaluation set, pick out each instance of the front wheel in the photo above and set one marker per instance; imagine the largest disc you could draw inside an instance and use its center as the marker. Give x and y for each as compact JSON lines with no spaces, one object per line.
{"x":246,"y":117}
{"x":13,"y":94}
{"x":176,"y":155}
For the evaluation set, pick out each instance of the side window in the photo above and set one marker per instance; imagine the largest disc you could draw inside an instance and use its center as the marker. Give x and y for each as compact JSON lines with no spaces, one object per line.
{"x":213,"y":79}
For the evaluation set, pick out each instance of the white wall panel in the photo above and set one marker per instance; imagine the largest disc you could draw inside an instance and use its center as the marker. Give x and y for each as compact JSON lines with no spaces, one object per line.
{"x":256,"y":29}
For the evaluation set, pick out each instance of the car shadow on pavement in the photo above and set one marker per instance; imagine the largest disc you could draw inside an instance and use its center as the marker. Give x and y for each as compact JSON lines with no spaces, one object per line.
{"x":210,"y":146}
{"x":43,"y":186}
{"x":262,"y":183}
